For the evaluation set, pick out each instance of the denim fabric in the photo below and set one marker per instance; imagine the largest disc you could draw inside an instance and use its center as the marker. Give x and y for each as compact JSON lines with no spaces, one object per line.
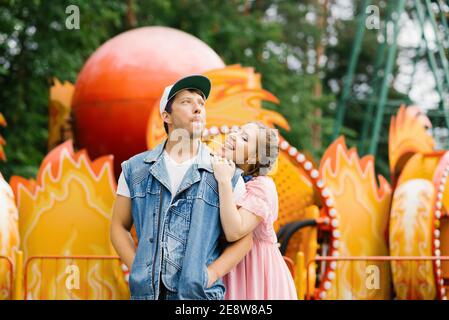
{"x":177,"y":238}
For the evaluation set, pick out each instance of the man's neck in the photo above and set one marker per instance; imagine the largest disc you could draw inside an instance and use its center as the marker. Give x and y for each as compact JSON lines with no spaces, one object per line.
{"x":181,"y":151}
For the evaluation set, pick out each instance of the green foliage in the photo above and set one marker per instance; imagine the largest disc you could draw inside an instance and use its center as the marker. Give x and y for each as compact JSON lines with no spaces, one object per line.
{"x":35,"y":46}
{"x":279,"y":38}
{"x":274,"y":37}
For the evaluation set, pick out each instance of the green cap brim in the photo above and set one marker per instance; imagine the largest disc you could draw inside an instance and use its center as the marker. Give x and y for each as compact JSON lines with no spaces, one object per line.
{"x":199,"y":82}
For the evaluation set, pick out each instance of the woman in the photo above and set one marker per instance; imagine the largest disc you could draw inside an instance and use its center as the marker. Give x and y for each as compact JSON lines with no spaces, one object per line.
{"x":262,"y":274}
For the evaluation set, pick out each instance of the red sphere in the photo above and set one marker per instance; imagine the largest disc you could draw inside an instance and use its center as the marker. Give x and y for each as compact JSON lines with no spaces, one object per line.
{"x":123,"y":80}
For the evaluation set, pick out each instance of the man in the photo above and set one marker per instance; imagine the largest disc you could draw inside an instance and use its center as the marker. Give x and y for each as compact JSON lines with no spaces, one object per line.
{"x":171,"y":196}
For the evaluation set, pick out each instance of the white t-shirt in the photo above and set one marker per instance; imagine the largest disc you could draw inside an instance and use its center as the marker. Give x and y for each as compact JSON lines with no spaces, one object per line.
{"x":176,"y":172}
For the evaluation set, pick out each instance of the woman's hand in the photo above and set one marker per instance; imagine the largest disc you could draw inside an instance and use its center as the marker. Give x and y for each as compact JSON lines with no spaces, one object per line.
{"x":212,"y":276}
{"x":223,"y":168}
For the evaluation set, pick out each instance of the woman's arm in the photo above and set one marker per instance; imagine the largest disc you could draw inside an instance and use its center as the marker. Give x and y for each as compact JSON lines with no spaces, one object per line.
{"x":230,"y":257}
{"x":121,"y":224}
{"x":236,"y":223}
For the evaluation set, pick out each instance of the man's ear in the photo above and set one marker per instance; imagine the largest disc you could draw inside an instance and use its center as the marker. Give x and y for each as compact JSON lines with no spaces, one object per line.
{"x":166,"y":117}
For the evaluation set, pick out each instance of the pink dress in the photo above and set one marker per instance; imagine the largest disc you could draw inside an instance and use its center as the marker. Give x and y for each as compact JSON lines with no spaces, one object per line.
{"x":263,"y":273}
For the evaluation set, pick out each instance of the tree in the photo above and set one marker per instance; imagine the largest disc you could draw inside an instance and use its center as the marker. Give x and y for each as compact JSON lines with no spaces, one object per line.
{"x":301,"y":49}
{"x":35,"y":46}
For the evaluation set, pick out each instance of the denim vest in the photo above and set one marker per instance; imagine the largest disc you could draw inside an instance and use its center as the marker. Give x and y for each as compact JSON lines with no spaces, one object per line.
{"x":177,"y":238}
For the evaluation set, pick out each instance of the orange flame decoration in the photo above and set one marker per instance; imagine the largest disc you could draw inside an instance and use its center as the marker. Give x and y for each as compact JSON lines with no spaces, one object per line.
{"x":362,"y":208}
{"x":59,"y":128}
{"x":419,"y":203}
{"x":9,"y":235}
{"x":417,"y":227}
{"x":410,"y":235}
{"x":2,"y":141}
{"x":66,"y":212}
{"x":408,"y":135}
{"x":236,"y":98}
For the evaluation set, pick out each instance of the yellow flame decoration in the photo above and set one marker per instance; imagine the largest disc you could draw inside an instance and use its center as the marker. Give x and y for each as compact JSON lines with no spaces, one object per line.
{"x":236,"y":98}
{"x":59,"y":128}
{"x":363,"y":210}
{"x":9,"y":235}
{"x":67,"y":212}
{"x":408,"y":136}
{"x":416,"y":228}
{"x":410,"y":234}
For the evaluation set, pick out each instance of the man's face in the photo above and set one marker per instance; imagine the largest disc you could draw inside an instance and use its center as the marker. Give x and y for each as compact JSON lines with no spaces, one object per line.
{"x":188,"y":113}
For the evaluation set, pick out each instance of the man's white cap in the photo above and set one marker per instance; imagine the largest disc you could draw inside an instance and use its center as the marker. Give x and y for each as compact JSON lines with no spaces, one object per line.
{"x":195,"y":81}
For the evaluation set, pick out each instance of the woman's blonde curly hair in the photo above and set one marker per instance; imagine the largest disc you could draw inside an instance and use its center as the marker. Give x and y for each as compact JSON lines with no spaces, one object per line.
{"x":266,"y":156}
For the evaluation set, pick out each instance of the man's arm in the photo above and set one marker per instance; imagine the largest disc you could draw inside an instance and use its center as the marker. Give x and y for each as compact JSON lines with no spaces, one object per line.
{"x":121,"y":224}
{"x":230,"y":257}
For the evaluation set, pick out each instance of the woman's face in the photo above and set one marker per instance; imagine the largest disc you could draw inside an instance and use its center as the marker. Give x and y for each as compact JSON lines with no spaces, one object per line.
{"x":241,"y":145}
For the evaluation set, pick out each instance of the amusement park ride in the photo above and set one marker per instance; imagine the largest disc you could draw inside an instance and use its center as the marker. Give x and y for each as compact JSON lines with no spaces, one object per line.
{"x":345,"y":233}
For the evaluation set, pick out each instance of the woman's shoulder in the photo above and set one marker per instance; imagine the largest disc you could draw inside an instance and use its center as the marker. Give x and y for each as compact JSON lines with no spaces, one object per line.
{"x":261,"y":197}
{"x":262,"y":180}
{"x":263,"y":184}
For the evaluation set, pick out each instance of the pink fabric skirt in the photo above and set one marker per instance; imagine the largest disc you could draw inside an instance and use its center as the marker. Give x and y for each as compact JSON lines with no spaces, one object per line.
{"x":261,"y":275}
